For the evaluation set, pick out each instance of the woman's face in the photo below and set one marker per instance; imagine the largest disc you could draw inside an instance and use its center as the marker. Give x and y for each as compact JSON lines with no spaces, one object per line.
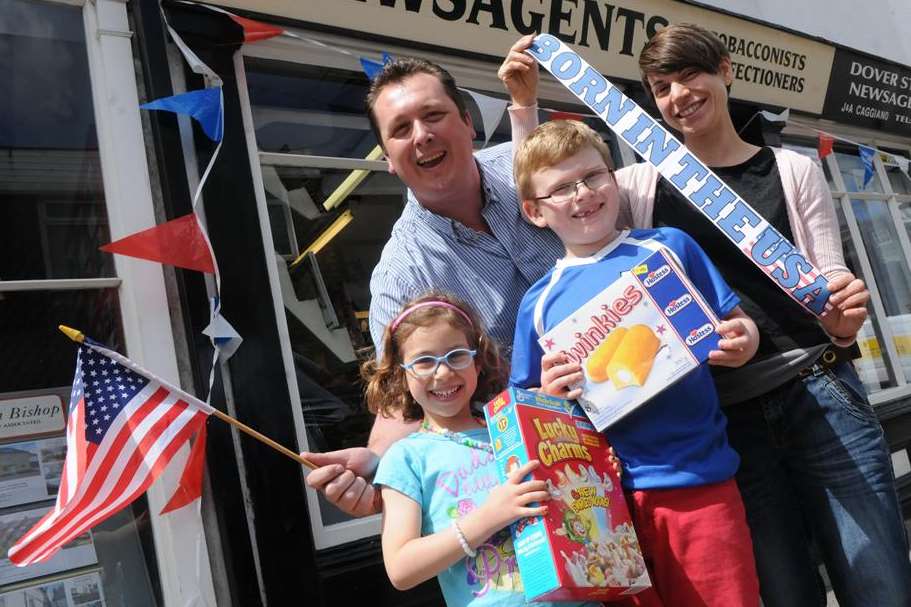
{"x":693,"y":102}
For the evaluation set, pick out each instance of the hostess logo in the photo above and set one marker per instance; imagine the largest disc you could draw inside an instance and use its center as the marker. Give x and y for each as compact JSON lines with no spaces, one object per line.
{"x":656,"y":275}
{"x":697,"y":335}
{"x":678,"y":304}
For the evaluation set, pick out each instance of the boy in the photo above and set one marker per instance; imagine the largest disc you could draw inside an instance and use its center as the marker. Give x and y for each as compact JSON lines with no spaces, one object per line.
{"x":815,"y":465}
{"x":677,"y":464}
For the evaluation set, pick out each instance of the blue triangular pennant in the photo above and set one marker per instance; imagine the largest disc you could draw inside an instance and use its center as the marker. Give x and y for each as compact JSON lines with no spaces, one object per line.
{"x":866,"y":156}
{"x":205,"y":105}
{"x":373,"y":68}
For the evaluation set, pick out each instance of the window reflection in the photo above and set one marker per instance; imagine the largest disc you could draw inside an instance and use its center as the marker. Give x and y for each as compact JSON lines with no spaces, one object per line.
{"x":890,"y":267}
{"x":54,"y":218}
{"x":326,"y":293}
{"x":308,"y":109}
{"x":852,"y":171}
{"x":51,"y":196}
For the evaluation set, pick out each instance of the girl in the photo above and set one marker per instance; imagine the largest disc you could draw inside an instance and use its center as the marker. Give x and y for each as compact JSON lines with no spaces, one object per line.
{"x":444,"y":513}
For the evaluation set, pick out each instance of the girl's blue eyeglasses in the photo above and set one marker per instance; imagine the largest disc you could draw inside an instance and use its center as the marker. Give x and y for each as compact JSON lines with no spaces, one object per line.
{"x":425,"y":366}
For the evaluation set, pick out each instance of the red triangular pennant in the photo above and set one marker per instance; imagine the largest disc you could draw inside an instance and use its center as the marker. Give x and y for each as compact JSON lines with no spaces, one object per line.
{"x":178,"y":242}
{"x":254,"y":31}
{"x":825,"y":145}
{"x":566,"y":116}
{"x":190,"y":486}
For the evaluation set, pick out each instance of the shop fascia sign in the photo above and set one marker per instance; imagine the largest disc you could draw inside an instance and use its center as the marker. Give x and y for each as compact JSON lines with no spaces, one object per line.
{"x":869,"y":92}
{"x":770,"y":66}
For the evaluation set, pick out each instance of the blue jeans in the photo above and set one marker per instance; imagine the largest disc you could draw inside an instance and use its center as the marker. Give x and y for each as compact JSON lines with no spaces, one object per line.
{"x":816,"y":468}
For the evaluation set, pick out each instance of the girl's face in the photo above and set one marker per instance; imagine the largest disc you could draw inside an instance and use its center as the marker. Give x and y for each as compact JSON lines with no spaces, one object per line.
{"x":445,"y":396}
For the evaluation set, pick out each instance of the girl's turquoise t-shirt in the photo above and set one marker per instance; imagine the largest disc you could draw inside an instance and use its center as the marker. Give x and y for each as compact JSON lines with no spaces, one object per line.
{"x":449,"y":480}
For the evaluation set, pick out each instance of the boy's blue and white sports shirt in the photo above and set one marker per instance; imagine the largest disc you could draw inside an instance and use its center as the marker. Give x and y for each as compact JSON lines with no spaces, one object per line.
{"x":678,"y":438}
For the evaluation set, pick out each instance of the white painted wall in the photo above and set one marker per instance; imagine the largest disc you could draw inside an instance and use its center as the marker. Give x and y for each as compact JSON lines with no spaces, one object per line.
{"x":878,"y":27}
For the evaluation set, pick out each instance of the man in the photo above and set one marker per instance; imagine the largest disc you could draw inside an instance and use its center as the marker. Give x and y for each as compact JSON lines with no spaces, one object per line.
{"x":461,"y":231}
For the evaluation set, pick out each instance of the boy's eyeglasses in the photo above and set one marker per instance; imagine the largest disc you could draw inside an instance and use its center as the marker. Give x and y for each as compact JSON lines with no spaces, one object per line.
{"x":425,"y":366}
{"x":568,"y":191}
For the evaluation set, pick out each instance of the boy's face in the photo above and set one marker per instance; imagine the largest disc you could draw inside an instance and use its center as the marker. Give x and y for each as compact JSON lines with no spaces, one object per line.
{"x":587,"y":221}
{"x":693,"y":102}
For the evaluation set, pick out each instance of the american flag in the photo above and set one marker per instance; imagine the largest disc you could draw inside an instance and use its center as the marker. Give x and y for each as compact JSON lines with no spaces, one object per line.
{"x":124,"y":425}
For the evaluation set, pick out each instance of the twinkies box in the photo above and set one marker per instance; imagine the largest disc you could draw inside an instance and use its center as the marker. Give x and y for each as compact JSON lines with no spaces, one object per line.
{"x":585,"y":548}
{"x":635,"y":338}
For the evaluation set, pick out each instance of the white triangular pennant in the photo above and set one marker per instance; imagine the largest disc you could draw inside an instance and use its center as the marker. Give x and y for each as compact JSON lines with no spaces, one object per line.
{"x":491,"y":110}
{"x":225,"y":339}
{"x":782,"y":117}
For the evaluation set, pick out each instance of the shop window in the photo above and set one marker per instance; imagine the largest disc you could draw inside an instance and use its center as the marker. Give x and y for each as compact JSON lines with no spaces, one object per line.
{"x":312,"y":135}
{"x":890,"y":266}
{"x":874,"y":366}
{"x":874,"y":221}
{"x":852,"y":172}
{"x":899,"y":180}
{"x":53,"y":213}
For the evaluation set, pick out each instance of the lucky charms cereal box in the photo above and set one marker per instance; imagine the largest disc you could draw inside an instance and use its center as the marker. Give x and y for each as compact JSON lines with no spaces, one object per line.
{"x":585,"y":547}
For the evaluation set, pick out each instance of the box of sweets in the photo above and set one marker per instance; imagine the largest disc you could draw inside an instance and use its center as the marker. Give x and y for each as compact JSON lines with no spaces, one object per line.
{"x":636,"y":337}
{"x":585,"y":548}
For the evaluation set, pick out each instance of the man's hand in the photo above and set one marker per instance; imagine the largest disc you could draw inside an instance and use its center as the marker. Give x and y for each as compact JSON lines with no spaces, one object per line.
{"x":342,"y":478}
{"x":849,"y":297}
{"x":519,"y":73}
{"x":560,"y":377}
{"x":740,"y":340}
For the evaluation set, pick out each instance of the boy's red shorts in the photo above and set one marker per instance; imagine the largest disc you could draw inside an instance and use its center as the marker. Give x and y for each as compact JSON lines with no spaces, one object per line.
{"x":697,"y":547}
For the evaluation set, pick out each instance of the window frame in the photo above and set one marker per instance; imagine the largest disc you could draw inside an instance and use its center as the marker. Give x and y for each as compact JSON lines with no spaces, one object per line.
{"x":800,"y":133}
{"x":469,"y":73}
{"x":142,"y":296}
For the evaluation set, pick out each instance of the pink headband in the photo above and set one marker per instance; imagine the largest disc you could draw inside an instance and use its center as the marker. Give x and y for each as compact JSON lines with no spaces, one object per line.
{"x":425,"y":304}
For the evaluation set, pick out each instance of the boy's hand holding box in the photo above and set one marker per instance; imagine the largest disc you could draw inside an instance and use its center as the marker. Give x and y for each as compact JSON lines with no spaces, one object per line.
{"x":635,"y":338}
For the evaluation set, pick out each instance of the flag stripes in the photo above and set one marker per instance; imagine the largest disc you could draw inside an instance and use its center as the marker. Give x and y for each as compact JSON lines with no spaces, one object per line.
{"x":139,"y":428}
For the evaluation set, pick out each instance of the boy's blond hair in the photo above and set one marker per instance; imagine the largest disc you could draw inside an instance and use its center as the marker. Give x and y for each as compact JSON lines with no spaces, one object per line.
{"x":552,"y":143}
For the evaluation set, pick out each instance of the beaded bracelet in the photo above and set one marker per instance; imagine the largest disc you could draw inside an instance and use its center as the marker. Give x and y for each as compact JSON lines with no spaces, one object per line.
{"x":462,"y":541}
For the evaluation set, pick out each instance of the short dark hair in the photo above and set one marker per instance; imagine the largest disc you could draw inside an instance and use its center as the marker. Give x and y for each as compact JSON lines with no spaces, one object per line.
{"x":401,"y":68}
{"x":681,"y":46}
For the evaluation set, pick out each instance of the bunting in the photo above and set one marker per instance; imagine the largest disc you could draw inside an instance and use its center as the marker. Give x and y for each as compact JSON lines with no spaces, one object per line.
{"x":866,"y":157}
{"x":825,"y":146}
{"x":205,"y":106}
{"x":179,"y":242}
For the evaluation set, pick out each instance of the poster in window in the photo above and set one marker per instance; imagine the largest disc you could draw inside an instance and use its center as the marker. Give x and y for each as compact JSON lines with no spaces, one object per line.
{"x":30,"y":471}
{"x":77,"y":591}
{"x":80,"y":552}
{"x":31,"y":416}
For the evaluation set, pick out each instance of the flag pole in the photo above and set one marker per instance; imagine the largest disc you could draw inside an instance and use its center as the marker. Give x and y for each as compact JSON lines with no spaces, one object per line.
{"x":78,"y":337}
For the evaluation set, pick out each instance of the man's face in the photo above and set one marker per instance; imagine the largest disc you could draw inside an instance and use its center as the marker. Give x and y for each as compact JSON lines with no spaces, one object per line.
{"x":693,"y":102}
{"x":427,"y":142}
{"x":586,"y":222}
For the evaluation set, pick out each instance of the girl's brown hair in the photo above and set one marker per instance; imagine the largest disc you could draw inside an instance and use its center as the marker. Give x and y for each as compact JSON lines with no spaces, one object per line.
{"x":387,"y":390}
